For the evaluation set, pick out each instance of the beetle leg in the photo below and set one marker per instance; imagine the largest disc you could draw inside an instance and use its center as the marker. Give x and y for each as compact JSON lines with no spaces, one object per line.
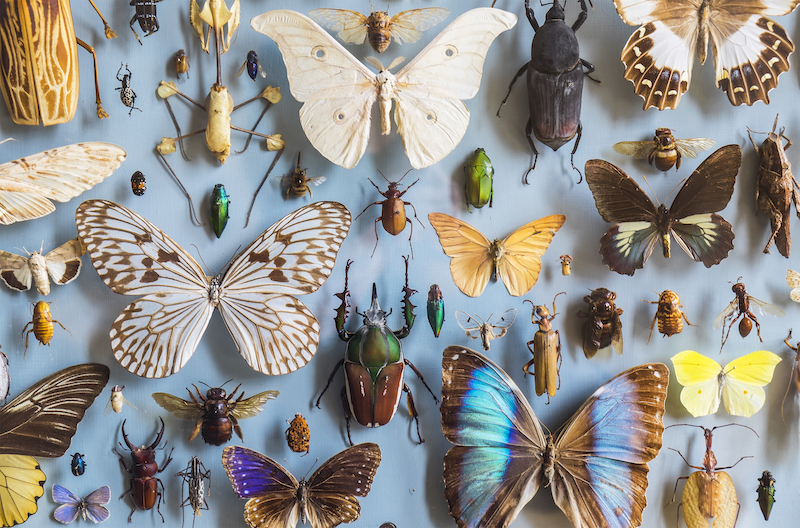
{"x":560,"y":359}
{"x":529,"y":363}
{"x":575,"y":149}
{"x":412,"y":410}
{"x":347,"y":414}
{"x":377,"y":238}
{"x":510,"y":86}
{"x":121,"y":460}
{"x":581,"y":17}
{"x":133,"y":21}
{"x":330,"y":379}
{"x":415,"y":211}
{"x":528,"y":132}
{"x":365,"y":209}
{"x":419,"y":375}
{"x":589,"y":68}
{"x":531,"y":17}
{"x":100,"y":112}
{"x":160,"y":497}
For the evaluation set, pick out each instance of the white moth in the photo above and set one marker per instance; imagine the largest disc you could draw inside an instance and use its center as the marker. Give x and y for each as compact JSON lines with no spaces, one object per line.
{"x":63,"y":264}
{"x":491,"y":328}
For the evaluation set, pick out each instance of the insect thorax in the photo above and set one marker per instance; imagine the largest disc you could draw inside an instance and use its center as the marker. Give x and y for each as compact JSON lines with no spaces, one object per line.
{"x":214,"y":291}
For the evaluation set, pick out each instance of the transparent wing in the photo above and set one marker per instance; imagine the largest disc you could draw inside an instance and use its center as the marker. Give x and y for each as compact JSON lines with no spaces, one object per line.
{"x":729,"y":310}
{"x":501,"y":324}
{"x":351,"y":25}
{"x":253,"y":405}
{"x":180,"y":408}
{"x":407,"y":26}
{"x":470,"y":324}
{"x":765,"y":308}
{"x":636,"y":149}
{"x":690,"y":147}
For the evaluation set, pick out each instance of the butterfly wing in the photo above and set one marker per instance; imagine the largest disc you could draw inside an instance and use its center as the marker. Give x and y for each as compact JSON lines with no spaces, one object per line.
{"x":600,"y":476}
{"x":333,"y":488}
{"x":699,"y":376}
{"x":70,"y":504}
{"x":15,"y":272}
{"x":64,"y":262}
{"x":42,"y":420}
{"x":94,"y":501}
{"x":742,"y":392}
{"x":500,"y":325}
{"x":28,"y":184}
{"x":471,"y":263}
{"x":521,"y":253}
{"x":274,"y":332}
{"x":496,"y":466}
{"x":407,"y":26}
{"x":429,"y":113}
{"x":270,"y":488}
{"x":338,"y":91}
{"x":21,"y":486}
{"x":793,"y":280}
{"x":469,"y":324}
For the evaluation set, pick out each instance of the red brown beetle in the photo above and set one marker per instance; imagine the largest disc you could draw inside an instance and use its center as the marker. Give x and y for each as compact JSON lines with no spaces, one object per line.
{"x":393,"y":211}
{"x":144,"y":483}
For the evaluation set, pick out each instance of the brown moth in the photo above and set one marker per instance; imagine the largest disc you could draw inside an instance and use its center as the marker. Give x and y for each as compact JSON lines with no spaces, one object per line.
{"x":777,"y":188}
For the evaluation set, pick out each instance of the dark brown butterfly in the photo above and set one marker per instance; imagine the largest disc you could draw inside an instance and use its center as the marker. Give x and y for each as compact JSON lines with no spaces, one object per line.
{"x":701,"y":233}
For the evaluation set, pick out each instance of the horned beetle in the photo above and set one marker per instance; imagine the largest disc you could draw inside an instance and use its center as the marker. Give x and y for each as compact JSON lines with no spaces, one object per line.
{"x":146,"y":15}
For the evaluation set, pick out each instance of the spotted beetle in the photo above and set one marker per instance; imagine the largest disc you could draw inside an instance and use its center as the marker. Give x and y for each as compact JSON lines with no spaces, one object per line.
{"x":126,"y":93}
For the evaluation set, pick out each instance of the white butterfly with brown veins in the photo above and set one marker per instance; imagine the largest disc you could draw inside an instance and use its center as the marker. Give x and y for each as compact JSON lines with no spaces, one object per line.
{"x":750,"y":50}
{"x":339,"y":91}
{"x":155,"y":335}
{"x":63,"y":264}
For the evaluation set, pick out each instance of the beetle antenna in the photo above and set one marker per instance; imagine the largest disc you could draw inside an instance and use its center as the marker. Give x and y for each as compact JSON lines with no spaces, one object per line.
{"x":554,"y":302}
{"x":404,"y":175}
{"x":385,"y":178}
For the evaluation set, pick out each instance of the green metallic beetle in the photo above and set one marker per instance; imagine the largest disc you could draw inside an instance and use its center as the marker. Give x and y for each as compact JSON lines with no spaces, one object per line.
{"x":479,"y":183}
{"x":374,"y":364}
{"x":435,"y":309}
{"x":766,"y":493}
{"x":219,"y":209}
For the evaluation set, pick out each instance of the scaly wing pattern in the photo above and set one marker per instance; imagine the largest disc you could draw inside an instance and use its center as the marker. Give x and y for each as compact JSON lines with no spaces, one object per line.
{"x":15,"y":272}
{"x":64,"y":262}
{"x":743,"y":392}
{"x":21,"y":486}
{"x":521,"y":253}
{"x":471,"y":263}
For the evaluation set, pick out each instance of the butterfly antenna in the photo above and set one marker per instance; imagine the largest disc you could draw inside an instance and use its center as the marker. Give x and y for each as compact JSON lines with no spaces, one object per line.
{"x":260,"y":185}
{"x":193,"y":215}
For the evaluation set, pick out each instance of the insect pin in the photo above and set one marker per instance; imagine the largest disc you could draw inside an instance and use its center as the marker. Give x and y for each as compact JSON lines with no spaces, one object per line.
{"x":126,"y":93}
{"x":546,"y":350}
{"x":78,"y":464}
{"x":766,"y":493}
{"x":739,"y":308}
{"x":117,"y":400}
{"x":41,"y":325}
{"x":181,"y":64}
{"x":252,"y":66}
{"x":298,"y":181}
{"x":147,"y":17}
{"x":669,"y":315}
{"x":138,"y":183}
{"x":195,"y":475}
{"x":298,"y":435}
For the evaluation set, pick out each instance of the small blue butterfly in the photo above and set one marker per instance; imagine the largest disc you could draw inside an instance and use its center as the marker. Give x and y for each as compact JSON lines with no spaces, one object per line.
{"x":72,"y":506}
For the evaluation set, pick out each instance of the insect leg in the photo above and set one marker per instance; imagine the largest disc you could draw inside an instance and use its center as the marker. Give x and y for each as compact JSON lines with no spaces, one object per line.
{"x":101,"y":114}
{"x":528,"y":132}
{"x":133,"y":21}
{"x":347,"y":414}
{"x":750,"y":316}
{"x":529,"y":363}
{"x":522,"y":70}
{"x":330,"y":379}
{"x":377,"y":238}
{"x":412,"y":410}
{"x":575,"y":149}
{"x":107,"y":29}
{"x":419,"y":375}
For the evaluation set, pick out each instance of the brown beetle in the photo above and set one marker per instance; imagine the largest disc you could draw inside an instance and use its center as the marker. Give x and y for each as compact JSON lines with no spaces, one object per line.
{"x":181,"y":64}
{"x":777,"y":189}
{"x":602,"y":327}
{"x":546,"y":351}
{"x":393,"y":211}
{"x":664,"y":151}
{"x":669,"y":315}
{"x":739,"y":308}
{"x":144,"y":483}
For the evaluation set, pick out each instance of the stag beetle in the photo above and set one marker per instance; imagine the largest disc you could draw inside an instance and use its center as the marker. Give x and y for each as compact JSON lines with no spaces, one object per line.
{"x":555,"y":81}
{"x":144,"y":483}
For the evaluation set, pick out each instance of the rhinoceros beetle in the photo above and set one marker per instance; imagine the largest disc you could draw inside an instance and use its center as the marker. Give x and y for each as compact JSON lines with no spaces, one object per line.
{"x":555,"y":81}
{"x":144,"y":483}
{"x":374,"y":364}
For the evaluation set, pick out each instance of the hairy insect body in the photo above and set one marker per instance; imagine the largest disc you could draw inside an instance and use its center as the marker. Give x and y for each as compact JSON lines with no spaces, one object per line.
{"x":41,"y":324}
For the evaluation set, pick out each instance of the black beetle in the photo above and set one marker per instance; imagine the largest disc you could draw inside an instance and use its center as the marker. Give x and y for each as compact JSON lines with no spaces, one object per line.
{"x":555,"y":81}
{"x":147,"y":17}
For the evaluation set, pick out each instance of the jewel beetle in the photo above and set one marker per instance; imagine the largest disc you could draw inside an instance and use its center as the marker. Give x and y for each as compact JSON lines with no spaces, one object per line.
{"x":219,"y":209}
{"x":555,"y":81}
{"x":374,"y":365}
{"x":78,"y":464}
{"x":435,"y":309}
{"x":479,"y":182}
{"x":766,"y":493}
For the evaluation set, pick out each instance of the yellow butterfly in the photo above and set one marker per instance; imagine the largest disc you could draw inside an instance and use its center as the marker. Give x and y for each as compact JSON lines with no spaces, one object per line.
{"x":739,"y":383}
{"x":516,"y":260}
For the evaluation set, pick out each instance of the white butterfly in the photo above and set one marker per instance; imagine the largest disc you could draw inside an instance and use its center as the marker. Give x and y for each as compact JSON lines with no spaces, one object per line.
{"x":477,"y":328}
{"x":28,"y":184}
{"x":156,"y":335}
{"x":793,"y":280}
{"x":63,"y":264}
{"x":750,"y":50}
{"x":339,"y":91}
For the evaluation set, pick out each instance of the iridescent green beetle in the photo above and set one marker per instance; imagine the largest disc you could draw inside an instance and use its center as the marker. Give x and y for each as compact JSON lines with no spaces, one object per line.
{"x":435,"y":309}
{"x":219,"y":209}
{"x":766,"y":493}
{"x":478,"y":186}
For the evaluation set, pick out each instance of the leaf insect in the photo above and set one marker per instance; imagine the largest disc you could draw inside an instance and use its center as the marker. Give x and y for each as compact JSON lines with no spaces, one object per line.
{"x":41,"y":325}
{"x":669,"y":315}
{"x":739,"y":308}
{"x":491,"y":328}
{"x":126,"y":93}
{"x":252,"y":66}
{"x":546,"y":350}
{"x":298,"y":183}
{"x":195,"y":476}
{"x":664,"y":151}
{"x":63,"y":265}
{"x":777,"y":188}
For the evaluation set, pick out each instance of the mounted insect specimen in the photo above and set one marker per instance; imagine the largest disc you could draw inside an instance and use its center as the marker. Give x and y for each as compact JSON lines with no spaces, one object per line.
{"x":435,"y":309}
{"x":72,"y":506}
{"x":704,"y":235}
{"x":117,"y":400}
{"x":147,"y":16}
{"x":566,"y":264}
{"x":739,"y":308}
{"x":669,"y":315}
{"x":252,"y":66}
{"x":5,"y":377}
{"x":126,"y":93}
{"x":273,"y":331}
{"x":379,"y":27}
{"x":374,"y":365}
{"x":709,"y":492}
{"x":138,"y":183}
{"x":516,"y":260}
{"x":777,"y":189}
{"x":219,"y":209}
{"x":195,"y":475}
{"x":794,"y":372}
{"x":298,"y":183}
{"x":217,"y":414}
{"x":41,"y":325}
{"x":766,"y":493}
{"x":546,"y":350}
{"x":664,"y":151}
{"x":555,"y":82}
{"x":750,"y":50}
{"x":494,"y":430}
{"x":339,"y":91}
{"x":739,"y":383}
{"x":491,"y":328}
{"x":41,"y":422}
{"x":28,"y":184}
{"x":181,"y":64}
{"x":39,"y":62}
{"x":78,"y":464}
{"x":602,"y":328}
{"x":793,"y":280}
{"x":326,"y":499}
{"x":479,"y":182}
{"x":63,"y":264}
{"x":298,"y":435}
{"x":393,"y":211}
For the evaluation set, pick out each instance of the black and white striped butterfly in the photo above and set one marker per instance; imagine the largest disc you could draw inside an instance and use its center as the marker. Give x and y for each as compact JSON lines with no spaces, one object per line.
{"x":155,"y":335}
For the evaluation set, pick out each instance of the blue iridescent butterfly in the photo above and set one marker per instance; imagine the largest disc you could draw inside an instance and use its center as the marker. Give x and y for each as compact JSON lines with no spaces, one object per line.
{"x":595,"y":466}
{"x":71,"y":505}
{"x":278,"y":500}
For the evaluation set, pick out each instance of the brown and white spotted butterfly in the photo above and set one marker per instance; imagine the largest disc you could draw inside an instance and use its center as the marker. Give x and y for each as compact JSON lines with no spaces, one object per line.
{"x":750,"y":50}
{"x":156,"y":335}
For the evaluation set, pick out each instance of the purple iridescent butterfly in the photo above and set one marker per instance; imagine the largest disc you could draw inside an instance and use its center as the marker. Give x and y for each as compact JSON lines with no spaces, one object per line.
{"x":278,"y":500}
{"x":90,"y":507}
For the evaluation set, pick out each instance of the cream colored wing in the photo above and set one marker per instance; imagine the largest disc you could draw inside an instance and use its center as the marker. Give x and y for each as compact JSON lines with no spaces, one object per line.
{"x":429,"y":113}
{"x":28,"y":185}
{"x":522,"y":250}
{"x":471,"y":265}
{"x":338,"y":91}
{"x":690,"y":147}
{"x":14,"y":271}
{"x":351,"y":25}
{"x":64,"y":262}
{"x":407,"y":26}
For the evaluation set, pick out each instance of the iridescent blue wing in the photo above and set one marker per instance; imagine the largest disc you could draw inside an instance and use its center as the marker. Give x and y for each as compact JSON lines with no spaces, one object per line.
{"x":94,"y":501}
{"x":269,"y":486}
{"x":601,"y":469}
{"x":71,"y":504}
{"x":496,"y":467}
